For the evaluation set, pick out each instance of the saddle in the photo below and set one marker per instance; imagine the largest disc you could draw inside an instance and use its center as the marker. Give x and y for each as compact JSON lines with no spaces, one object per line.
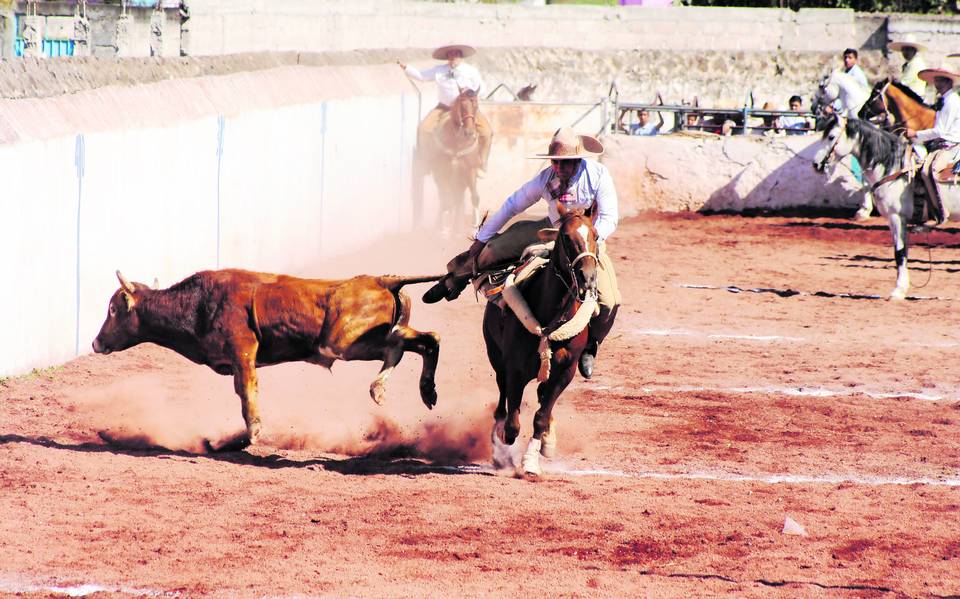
{"x":492,"y":283}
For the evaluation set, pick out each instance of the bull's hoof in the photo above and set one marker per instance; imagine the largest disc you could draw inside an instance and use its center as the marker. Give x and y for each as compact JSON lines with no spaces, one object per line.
{"x":238,"y":442}
{"x":435,"y":293}
{"x":428,"y":393}
{"x":378,"y":392}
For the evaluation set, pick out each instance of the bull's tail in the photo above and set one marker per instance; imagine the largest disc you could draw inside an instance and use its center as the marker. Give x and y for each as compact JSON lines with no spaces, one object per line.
{"x":395,"y":282}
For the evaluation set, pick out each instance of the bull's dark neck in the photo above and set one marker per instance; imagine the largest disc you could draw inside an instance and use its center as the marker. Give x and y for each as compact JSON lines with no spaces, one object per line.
{"x":169,"y":316}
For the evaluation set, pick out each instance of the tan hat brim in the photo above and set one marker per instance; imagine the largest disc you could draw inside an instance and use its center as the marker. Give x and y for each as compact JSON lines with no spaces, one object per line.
{"x":897,"y":46}
{"x":441,"y":52}
{"x":928,"y":75}
{"x":591,"y":147}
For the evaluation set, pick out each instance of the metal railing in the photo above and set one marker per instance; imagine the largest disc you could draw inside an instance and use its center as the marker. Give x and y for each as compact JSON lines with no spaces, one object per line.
{"x":739,"y":115}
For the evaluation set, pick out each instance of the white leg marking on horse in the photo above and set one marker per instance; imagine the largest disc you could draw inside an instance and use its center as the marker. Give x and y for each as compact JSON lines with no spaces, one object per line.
{"x":502,"y":453}
{"x":549,"y":439}
{"x":378,"y":387}
{"x":530,"y":464}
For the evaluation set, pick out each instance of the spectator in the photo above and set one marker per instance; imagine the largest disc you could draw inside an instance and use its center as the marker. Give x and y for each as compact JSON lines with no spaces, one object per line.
{"x":645,"y":126}
{"x":794,"y":125}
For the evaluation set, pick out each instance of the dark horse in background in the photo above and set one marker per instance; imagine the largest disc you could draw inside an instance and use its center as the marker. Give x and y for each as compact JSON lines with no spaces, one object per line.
{"x":562,"y":296}
{"x":451,"y":154}
{"x":893,"y":107}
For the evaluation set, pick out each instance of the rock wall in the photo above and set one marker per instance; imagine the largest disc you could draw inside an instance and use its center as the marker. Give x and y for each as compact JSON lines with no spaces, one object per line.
{"x":738,"y":173}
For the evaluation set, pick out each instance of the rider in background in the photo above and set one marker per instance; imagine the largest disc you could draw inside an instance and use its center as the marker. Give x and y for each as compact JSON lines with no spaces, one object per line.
{"x":575,"y":178}
{"x":851,"y":67}
{"x":453,"y":77}
{"x":943,"y":139}
{"x":909,"y":75}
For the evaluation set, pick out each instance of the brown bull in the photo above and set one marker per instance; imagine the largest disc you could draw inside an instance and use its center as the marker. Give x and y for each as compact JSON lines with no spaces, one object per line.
{"x":234,"y":321}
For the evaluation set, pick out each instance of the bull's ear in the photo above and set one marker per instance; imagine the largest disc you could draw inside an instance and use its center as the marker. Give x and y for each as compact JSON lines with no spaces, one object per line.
{"x":131,"y":301}
{"x":124,"y":283}
{"x":548,"y":234}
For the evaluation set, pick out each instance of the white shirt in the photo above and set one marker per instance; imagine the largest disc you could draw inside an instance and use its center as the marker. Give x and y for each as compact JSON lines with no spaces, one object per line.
{"x":946,"y":125}
{"x":450,"y":81}
{"x":859,"y":76}
{"x":650,"y":128}
{"x":591,"y":184}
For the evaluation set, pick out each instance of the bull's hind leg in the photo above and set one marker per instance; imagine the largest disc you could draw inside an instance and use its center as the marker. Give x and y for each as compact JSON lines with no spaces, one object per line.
{"x":403,"y":339}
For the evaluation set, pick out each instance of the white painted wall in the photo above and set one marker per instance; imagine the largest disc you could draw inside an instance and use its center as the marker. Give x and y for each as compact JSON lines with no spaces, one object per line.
{"x":313,"y":165}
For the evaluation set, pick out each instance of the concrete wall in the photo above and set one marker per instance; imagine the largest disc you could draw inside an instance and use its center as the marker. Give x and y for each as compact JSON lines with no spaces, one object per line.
{"x":737,"y":173}
{"x":267,"y":171}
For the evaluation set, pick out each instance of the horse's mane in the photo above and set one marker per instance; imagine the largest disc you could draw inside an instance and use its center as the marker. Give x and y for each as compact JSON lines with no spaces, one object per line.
{"x":909,"y":93}
{"x":876,"y":145}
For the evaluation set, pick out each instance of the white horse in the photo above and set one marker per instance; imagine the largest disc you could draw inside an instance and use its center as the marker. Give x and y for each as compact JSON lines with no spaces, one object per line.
{"x":881,"y":155}
{"x":840,"y":86}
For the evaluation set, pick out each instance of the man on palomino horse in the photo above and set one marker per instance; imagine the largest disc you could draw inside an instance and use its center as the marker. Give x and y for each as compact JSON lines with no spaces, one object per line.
{"x":452,"y":79}
{"x":573,"y":178}
{"x":942,"y":140}
{"x":909,"y":75}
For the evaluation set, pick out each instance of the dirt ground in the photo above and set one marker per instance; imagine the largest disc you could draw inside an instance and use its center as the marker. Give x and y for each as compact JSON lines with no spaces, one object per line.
{"x":714,"y":416}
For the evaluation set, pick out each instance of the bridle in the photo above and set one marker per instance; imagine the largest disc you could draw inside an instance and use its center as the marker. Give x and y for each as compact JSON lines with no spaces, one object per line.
{"x":828,"y":156}
{"x":573,"y":286}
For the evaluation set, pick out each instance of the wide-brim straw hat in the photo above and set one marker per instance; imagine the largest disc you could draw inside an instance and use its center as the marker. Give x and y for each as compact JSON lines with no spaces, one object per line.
{"x":929,"y":74}
{"x":567,"y":145}
{"x":441,"y":52}
{"x":907,"y":41}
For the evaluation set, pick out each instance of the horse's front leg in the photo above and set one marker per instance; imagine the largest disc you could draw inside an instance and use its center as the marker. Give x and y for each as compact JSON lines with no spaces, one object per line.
{"x":898,"y":229}
{"x":544,"y":440}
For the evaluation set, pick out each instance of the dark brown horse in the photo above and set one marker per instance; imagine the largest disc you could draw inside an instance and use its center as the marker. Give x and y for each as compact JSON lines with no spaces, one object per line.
{"x":562,"y":297}
{"x":895,"y":107}
{"x":452,"y":155}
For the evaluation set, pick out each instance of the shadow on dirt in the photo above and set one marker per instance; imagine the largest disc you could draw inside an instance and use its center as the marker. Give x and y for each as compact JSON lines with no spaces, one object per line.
{"x":399,"y":461}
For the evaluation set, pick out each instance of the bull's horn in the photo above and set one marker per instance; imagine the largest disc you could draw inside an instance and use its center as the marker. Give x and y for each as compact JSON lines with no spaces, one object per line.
{"x":156,"y":283}
{"x":127,"y":286}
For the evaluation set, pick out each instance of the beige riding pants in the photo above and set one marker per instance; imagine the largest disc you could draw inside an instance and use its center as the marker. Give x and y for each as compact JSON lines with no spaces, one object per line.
{"x":509,"y":245}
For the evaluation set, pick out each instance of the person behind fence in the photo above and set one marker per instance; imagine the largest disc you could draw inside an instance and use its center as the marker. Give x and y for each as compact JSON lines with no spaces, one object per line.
{"x":794,"y":125}
{"x":574,"y":178}
{"x":645,"y":126}
{"x":943,"y":139}
{"x":910,"y":72}
{"x":453,"y":77}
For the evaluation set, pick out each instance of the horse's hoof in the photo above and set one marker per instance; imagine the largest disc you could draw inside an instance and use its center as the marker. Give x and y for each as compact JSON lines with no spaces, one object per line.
{"x":377,"y":392}
{"x":587,"y":361}
{"x":861,"y":215}
{"x":548,"y":447}
{"x":898,"y":295}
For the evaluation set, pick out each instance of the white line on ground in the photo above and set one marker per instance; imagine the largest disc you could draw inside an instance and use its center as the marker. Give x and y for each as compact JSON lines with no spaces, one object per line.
{"x":793,"y":391}
{"x":8,"y":585}
{"x":773,"y":479}
{"x":681,"y":333}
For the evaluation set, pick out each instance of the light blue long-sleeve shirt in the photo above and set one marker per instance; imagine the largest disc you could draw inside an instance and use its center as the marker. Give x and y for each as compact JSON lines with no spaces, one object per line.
{"x":591,"y":184}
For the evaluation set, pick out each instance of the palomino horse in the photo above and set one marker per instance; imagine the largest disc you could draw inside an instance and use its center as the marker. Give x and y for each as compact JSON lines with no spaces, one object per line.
{"x":563,"y":296}
{"x":893,"y":107}
{"x":839,"y":85}
{"x":451,"y":153}
{"x":881,"y":154}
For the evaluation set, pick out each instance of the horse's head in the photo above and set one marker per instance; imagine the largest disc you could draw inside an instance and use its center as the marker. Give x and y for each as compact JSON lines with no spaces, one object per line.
{"x":828,"y":90}
{"x":875,"y":108}
{"x":575,"y":251}
{"x":464,"y":112}
{"x":835,"y":143}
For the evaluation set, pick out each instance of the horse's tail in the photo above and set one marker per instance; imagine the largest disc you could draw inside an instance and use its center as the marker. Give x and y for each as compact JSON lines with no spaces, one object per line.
{"x":395,"y":282}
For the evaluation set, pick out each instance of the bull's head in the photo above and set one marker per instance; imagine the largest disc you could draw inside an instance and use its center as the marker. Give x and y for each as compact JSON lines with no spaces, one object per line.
{"x":121,"y":329}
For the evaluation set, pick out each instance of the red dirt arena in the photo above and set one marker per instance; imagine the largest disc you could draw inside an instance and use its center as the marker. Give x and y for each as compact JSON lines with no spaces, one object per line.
{"x":714,"y":416}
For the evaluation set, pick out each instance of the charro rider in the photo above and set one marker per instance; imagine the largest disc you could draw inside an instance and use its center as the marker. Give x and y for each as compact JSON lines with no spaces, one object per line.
{"x":453,"y":77}
{"x":942,"y":140}
{"x":909,"y":74}
{"x":575,"y":178}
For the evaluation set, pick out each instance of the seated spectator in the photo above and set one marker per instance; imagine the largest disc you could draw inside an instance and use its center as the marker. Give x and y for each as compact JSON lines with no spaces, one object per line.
{"x":794,"y":125}
{"x":645,"y":126}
